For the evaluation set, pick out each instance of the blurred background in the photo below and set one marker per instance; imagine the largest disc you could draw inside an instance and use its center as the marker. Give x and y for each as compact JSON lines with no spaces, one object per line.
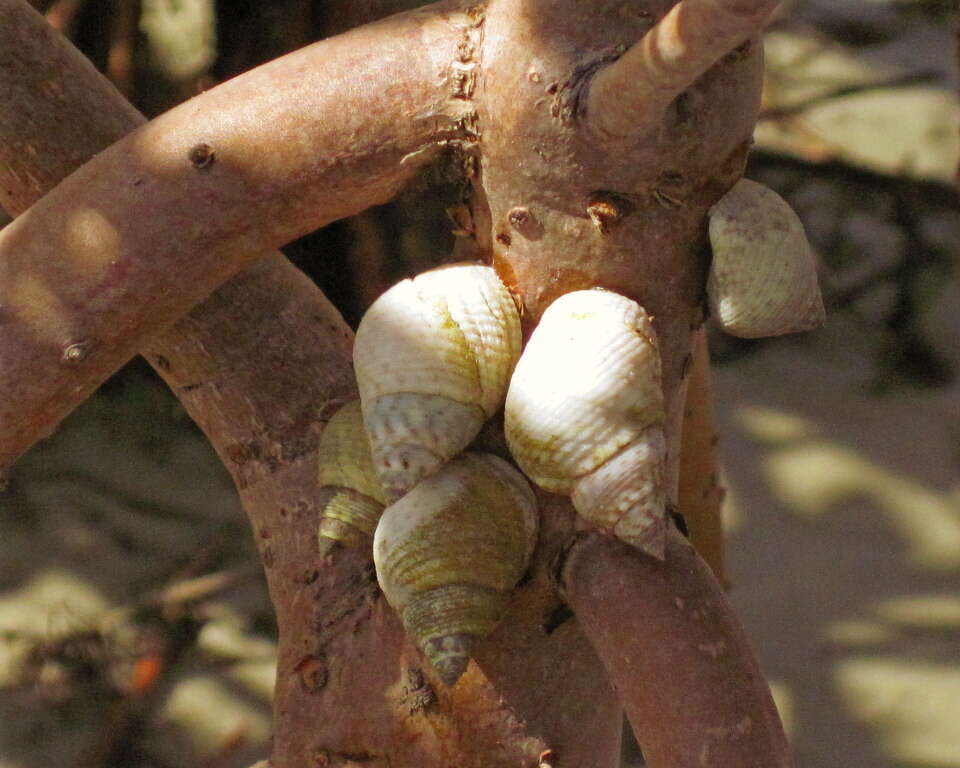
{"x":135,"y":629}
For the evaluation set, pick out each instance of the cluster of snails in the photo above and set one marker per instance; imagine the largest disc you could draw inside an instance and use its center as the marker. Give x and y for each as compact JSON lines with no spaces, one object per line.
{"x":439,"y":355}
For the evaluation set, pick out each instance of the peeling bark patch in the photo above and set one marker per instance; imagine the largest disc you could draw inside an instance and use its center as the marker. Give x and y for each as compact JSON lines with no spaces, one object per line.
{"x":201,"y":156}
{"x":313,"y":673}
{"x":76,"y":352}
{"x":607,"y":209}
{"x":503,"y":238}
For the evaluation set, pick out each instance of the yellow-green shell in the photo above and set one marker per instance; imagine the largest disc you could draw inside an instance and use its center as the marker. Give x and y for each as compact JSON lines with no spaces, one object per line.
{"x":353,"y":499}
{"x":584,"y":413}
{"x":763,"y":275}
{"x":449,"y":553}
{"x":433,"y":358}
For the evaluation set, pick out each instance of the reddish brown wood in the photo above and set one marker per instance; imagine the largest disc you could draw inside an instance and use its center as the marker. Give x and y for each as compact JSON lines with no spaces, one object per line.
{"x":700,"y":495}
{"x":684,"y":669}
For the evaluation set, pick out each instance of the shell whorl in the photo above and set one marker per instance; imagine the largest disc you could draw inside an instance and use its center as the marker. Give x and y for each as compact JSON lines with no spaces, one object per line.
{"x":763,"y":276}
{"x":433,"y":358}
{"x":450,"y":551}
{"x":354,"y":498}
{"x":584,"y":414}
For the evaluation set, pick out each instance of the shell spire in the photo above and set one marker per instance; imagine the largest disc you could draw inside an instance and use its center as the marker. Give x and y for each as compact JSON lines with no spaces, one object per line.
{"x":449,"y":553}
{"x":763,"y":277}
{"x":354,"y":499}
{"x":433,"y":358}
{"x":584,"y":414}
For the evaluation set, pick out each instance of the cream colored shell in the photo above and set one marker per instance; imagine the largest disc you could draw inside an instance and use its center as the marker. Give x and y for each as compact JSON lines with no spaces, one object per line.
{"x":763,"y":277}
{"x":433,"y":357}
{"x":450,"y":551}
{"x":584,"y":414}
{"x":354,"y":499}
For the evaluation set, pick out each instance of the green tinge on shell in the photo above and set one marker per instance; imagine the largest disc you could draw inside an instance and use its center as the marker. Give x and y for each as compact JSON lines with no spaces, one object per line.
{"x":433,"y":358}
{"x":349,"y":517}
{"x":763,"y":276}
{"x":584,"y":412}
{"x":355,"y":499}
{"x":449,"y":553}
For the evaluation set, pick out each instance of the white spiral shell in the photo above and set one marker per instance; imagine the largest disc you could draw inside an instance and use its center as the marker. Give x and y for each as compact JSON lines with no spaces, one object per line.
{"x":450,"y":551}
{"x":433,"y":358}
{"x":584,"y":414}
{"x":763,"y":277}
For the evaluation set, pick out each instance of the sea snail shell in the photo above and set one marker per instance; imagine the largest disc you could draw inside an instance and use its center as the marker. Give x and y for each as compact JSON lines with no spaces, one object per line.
{"x":355,"y":499}
{"x":433,"y":357}
{"x":763,"y":277}
{"x":584,"y":414}
{"x":450,"y":551}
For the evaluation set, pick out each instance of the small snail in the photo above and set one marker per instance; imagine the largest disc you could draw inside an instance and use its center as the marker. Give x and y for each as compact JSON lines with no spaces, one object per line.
{"x":450,"y":551}
{"x":584,"y":414}
{"x":763,"y":278}
{"x":433,"y":357}
{"x":355,"y":499}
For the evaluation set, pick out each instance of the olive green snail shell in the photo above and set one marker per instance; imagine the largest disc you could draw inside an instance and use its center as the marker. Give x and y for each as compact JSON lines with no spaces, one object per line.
{"x":449,"y":553}
{"x":354,"y":498}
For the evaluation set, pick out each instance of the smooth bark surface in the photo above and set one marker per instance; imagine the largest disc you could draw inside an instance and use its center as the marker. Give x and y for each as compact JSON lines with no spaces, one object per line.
{"x":684,"y":669}
{"x":700,"y":497}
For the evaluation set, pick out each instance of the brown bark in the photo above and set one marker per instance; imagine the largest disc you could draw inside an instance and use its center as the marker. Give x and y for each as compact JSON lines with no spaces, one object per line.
{"x":684,"y":669}
{"x":508,"y":83}
{"x":150,"y":226}
{"x":700,"y":497}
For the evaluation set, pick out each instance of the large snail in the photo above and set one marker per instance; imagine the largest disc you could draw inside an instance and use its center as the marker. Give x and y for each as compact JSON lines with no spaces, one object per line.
{"x":433,"y":358}
{"x":584,"y":414}
{"x":763,"y":277}
{"x":354,"y":499}
{"x":451,"y":550}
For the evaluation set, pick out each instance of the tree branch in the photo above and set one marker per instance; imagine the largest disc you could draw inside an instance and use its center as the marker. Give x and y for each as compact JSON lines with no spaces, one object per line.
{"x":629,"y":97}
{"x":701,"y":496}
{"x":683,"y":666}
{"x":153,"y":224}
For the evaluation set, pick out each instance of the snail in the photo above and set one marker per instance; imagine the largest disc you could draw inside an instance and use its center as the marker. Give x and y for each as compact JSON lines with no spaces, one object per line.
{"x":355,"y":499}
{"x":450,"y":551}
{"x":763,"y":277}
{"x":584,"y":414}
{"x":433,"y":357}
